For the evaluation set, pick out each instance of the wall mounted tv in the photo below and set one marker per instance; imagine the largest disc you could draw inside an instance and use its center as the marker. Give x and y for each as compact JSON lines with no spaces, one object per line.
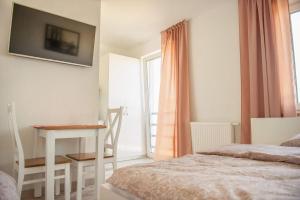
{"x":41,"y":35}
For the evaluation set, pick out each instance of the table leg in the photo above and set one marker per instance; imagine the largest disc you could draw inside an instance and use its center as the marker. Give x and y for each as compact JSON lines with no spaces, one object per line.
{"x":79,"y":145}
{"x":100,"y":174}
{"x":50,"y":166}
{"x":35,"y":141}
{"x":67,"y":182}
{"x":36,"y":146}
{"x":79,"y":181}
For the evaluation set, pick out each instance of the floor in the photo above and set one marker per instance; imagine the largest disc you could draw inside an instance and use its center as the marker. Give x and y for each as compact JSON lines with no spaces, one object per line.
{"x":88,"y":192}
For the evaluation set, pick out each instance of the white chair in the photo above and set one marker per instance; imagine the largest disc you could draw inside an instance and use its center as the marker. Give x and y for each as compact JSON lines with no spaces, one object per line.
{"x":84,"y":160}
{"x":25,"y":167}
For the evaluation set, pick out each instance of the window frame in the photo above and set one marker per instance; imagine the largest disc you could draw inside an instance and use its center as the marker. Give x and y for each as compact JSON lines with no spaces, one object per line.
{"x":144,"y":60}
{"x":295,"y":7}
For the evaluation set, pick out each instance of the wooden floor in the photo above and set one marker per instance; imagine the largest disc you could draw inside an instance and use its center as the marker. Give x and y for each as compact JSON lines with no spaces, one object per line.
{"x":28,"y":195}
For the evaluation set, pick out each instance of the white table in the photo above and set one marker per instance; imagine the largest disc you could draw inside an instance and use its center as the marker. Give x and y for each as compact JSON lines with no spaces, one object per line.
{"x":53,"y":132}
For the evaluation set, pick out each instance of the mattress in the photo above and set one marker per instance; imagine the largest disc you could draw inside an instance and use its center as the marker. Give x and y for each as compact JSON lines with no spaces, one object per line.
{"x":231,"y":172}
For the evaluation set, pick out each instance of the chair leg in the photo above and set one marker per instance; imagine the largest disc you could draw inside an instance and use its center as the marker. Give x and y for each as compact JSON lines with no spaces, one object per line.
{"x":37,"y":190}
{"x":83,"y":177}
{"x":83,"y":182}
{"x":79,"y":181}
{"x":67,"y":182}
{"x":57,"y":187}
{"x":20,"y":181}
{"x":114,"y":165}
{"x":37,"y":187}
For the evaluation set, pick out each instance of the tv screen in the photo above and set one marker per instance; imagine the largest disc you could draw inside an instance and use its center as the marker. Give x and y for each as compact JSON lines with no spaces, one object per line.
{"x":42,"y":35}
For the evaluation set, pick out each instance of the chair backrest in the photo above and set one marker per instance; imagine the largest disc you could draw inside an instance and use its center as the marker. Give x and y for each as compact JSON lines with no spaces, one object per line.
{"x":17,"y":144}
{"x":113,"y":122}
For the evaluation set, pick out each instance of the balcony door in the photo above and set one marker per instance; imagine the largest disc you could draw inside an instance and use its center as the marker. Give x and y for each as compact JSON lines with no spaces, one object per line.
{"x":152,"y":68}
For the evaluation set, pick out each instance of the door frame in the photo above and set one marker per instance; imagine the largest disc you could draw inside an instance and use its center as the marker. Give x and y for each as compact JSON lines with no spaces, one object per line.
{"x":144,"y":60}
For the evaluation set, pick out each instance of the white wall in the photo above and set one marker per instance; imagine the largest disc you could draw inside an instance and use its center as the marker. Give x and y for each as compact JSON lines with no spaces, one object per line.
{"x":103,"y":85}
{"x":214,"y":63}
{"x":46,"y":92}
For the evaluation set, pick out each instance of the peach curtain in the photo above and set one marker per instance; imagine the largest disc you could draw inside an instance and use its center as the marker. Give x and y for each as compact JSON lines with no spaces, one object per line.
{"x":173,"y":126}
{"x":267,"y":83}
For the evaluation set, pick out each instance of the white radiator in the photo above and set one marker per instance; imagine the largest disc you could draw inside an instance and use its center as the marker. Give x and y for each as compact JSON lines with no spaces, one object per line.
{"x":210,"y":135}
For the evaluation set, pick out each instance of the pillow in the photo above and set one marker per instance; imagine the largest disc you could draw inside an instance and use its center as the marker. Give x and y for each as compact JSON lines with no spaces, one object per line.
{"x":292,"y":142}
{"x":8,"y":187}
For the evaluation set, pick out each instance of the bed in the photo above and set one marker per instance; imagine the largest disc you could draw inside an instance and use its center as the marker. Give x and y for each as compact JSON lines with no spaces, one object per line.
{"x":259,"y":171}
{"x":8,"y":187}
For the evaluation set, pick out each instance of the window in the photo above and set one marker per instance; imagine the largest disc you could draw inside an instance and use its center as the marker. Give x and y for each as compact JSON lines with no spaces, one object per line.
{"x":295,"y":22}
{"x":152,"y":66}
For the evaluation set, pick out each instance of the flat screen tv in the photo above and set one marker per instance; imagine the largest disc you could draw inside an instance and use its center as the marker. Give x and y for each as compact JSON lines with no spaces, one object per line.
{"x":38,"y":34}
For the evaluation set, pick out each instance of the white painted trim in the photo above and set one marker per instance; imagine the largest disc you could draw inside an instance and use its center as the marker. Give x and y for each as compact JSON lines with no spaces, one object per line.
{"x":144,"y":60}
{"x":295,"y":7}
{"x":144,"y":116}
{"x":77,"y":133}
{"x":146,"y":105}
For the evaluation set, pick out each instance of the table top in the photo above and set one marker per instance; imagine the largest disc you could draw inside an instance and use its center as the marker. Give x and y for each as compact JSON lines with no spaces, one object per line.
{"x":69,"y":126}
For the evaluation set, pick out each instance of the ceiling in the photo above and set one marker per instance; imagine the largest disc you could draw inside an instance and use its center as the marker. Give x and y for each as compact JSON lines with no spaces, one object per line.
{"x":128,"y":23}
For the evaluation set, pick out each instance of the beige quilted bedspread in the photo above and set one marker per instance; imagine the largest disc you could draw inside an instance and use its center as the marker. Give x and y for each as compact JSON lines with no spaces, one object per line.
{"x":8,"y":187}
{"x":232,"y":172}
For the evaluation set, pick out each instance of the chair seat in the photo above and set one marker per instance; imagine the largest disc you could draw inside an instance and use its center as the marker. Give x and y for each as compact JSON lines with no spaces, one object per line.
{"x":38,"y":162}
{"x":86,"y":156}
